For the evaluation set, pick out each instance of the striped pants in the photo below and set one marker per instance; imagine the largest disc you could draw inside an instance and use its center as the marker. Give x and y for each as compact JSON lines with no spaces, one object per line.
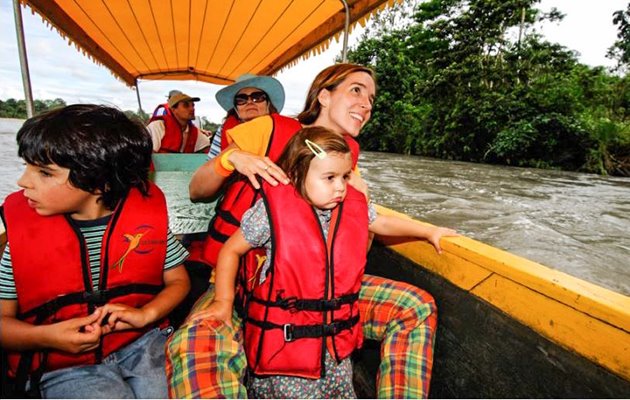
{"x":205,"y":358}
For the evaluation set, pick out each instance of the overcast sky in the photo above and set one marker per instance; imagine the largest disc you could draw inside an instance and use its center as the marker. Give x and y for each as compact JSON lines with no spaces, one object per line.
{"x":59,"y":71}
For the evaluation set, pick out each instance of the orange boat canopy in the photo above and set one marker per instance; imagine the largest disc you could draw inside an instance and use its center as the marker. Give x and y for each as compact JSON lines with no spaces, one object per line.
{"x":205,"y":40}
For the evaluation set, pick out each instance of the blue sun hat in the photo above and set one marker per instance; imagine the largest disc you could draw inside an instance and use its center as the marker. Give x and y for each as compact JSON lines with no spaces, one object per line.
{"x":269,"y":85}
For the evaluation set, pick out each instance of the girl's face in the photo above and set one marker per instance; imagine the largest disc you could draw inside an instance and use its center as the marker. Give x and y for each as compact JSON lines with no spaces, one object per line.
{"x":348,"y":107}
{"x":254,"y":106}
{"x":327,"y":178}
{"x":49,"y":191}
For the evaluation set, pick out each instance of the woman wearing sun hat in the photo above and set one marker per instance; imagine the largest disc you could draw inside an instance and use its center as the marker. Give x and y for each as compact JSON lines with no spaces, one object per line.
{"x":249,"y":97}
{"x":205,"y":357}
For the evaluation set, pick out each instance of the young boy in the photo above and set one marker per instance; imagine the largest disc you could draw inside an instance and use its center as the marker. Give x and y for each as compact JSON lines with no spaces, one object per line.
{"x":90,"y":269}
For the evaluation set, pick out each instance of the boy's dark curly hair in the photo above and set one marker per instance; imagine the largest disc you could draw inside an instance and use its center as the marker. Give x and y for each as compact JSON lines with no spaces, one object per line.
{"x":104,"y":150}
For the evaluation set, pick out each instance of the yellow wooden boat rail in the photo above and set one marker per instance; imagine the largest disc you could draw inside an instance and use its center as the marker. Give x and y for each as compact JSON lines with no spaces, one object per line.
{"x":580,"y":316}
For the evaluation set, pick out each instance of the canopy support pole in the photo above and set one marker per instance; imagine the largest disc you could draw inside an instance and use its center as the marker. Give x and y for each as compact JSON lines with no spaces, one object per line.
{"x":26,"y":79}
{"x":138,"y":96}
{"x":346,"y":28}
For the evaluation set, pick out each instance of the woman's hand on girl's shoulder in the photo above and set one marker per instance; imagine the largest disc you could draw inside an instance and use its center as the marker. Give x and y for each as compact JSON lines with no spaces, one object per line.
{"x":252,"y":165}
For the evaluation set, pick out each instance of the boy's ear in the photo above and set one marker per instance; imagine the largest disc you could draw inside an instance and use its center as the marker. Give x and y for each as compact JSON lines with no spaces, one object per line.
{"x":324,"y":97}
{"x":99,"y":192}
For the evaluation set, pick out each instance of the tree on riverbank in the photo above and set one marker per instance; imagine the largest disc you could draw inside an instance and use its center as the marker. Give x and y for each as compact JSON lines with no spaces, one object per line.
{"x":12,"y":108}
{"x":472,"y":80}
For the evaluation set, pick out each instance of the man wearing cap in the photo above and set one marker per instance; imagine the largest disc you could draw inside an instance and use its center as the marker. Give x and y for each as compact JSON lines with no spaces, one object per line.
{"x":171,"y":127}
{"x":251,"y":96}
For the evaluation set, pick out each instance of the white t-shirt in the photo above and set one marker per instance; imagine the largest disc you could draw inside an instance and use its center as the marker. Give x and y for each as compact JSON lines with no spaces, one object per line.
{"x":157,"y":130}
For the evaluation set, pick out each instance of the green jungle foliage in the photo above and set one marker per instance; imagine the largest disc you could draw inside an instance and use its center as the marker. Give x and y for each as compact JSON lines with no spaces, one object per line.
{"x":12,"y":108}
{"x":472,"y":80}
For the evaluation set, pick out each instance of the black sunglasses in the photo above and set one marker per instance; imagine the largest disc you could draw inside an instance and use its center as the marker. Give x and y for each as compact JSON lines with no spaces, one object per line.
{"x":257,"y":97}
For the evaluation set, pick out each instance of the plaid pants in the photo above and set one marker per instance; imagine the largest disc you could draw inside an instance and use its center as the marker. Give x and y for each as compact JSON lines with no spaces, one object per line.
{"x":205,"y":358}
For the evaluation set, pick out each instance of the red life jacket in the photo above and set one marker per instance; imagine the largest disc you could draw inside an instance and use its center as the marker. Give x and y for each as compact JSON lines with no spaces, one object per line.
{"x":196,"y":243}
{"x":354,"y":149}
{"x":310,"y":292}
{"x":240,"y":195}
{"x":54,"y":283}
{"x":172,"y":140}
{"x":230,"y":122}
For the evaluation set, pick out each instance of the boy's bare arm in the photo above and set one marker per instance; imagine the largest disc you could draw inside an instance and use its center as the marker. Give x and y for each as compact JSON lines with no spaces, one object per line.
{"x":176,"y":287}
{"x":121,"y":316}
{"x":74,"y":335}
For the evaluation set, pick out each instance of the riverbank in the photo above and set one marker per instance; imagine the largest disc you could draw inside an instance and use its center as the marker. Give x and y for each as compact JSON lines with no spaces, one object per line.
{"x":10,"y":125}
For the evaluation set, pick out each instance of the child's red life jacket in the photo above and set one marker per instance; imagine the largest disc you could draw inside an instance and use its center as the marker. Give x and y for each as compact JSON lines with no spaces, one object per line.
{"x":311,"y":289}
{"x":172,"y":140}
{"x":52,"y":270}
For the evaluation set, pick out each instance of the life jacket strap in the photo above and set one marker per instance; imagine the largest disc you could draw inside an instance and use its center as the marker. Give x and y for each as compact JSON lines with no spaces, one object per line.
{"x":228,"y":217}
{"x":23,"y":374}
{"x":96,"y":297}
{"x":293,"y":332}
{"x":293,"y":303}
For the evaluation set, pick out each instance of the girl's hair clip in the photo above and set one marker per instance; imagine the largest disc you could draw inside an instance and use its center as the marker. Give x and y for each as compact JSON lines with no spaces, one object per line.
{"x":316,"y":149}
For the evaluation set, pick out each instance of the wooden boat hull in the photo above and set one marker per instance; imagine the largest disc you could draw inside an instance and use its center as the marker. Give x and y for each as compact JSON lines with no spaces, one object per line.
{"x":483,"y":352}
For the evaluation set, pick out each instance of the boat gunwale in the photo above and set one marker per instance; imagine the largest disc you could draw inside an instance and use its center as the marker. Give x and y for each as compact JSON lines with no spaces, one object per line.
{"x":565,"y":309}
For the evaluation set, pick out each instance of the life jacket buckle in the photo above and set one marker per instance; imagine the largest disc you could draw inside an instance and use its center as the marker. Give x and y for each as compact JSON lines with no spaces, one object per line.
{"x":288,"y":332}
{"x":289,"y":303}
{"x":335,"y":303}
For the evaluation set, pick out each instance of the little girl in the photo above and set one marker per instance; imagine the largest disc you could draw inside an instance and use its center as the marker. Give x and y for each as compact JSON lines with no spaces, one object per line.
{"x":301,"y":319}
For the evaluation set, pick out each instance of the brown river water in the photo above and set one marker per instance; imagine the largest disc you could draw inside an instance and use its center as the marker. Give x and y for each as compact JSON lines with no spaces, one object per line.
{"x":577,"y":223}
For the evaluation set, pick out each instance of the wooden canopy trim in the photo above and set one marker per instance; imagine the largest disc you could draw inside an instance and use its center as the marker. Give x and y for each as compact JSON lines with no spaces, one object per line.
{"x":187,"y":74}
